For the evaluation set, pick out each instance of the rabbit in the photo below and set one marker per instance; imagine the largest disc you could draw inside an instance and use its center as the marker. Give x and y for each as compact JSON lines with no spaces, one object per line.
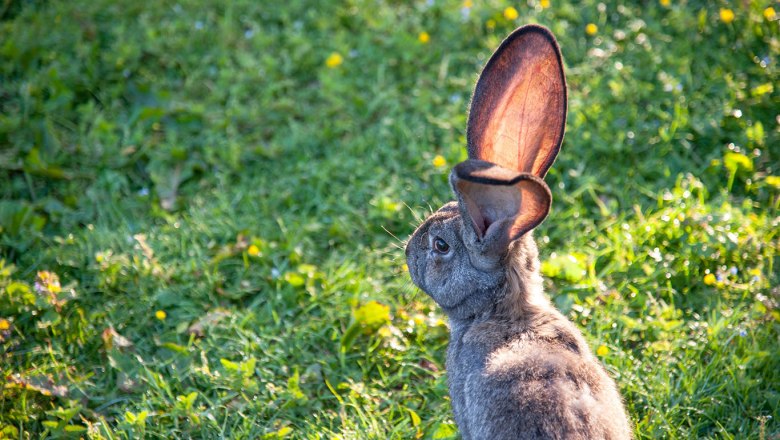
{"x":516,"y":367}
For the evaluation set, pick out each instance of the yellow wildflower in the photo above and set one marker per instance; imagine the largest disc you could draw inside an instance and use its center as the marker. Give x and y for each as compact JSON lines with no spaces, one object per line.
{"x":468,"y":3}
{"x":602,"y":350}
{"x":334,"y":60}
{"x":405,"y":268}
{"x":490,"y":24}
{"x":773,"y":180}
{"x":372,"y":314}
{"x":47,"y":282}
{"x":591,"y":29}
{"x":161,"y":315}
{"x":253,"y":250}
{"x":665,"y":3}
{"x":544,"y":4}
{"x":4,"y":324}
{"x":418,"y":319}
{"x":510,"y":13}
{"x":384,"y":332}
{"x":710,"y":279}
{"x":769,"y":13}
{"x":439,"y":161}
{"x":726,"y":15}
{"x":424,"y":37}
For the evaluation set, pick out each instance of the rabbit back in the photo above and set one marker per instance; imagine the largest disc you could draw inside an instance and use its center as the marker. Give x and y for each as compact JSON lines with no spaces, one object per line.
{"x":530,"y":380}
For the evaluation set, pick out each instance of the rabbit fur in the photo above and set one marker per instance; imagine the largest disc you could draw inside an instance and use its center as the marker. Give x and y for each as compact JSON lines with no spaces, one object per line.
{"x":517,"y":368}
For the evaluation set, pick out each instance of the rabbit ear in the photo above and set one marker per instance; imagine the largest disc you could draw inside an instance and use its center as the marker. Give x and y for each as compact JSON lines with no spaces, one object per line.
{"x":518,"y":111}
{"x":500,"y":204}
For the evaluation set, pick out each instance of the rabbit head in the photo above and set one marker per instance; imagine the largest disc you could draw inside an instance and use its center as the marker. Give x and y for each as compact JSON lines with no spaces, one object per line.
{"x":466,"y":253}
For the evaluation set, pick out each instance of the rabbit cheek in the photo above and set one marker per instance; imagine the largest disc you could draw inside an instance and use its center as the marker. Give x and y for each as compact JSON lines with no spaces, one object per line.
{"x":416,"y":267}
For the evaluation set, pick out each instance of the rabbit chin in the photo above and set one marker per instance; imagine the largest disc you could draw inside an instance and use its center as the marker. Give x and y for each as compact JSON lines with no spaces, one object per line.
{"x":467,"y":293}
{"x":470,"y":304}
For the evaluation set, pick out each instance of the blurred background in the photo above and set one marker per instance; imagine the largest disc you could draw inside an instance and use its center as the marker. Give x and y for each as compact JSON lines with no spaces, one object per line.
{"x":203,"y":206}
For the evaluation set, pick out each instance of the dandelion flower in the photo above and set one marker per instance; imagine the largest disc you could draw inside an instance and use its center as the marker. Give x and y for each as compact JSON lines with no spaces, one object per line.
{"x":439,"y":161}
{"x":424,"y":38}
{"x":405,"y":267}
{"x":372,"y":314}
{"x":726,"y":15}
{"x":544,"y":4}
{"x":710,"y":279}
{"x":161,"y":315}
{"x":468,"y":3}
{"x":769,"y":13}
{"x":602,"y":350}
{"x":5,"y":326}
{"x":510,"y":13}
{"x":665,"y":3}
{"x":253,"y":250}
{"x":334,"y":60}
{"x":591,"y":29}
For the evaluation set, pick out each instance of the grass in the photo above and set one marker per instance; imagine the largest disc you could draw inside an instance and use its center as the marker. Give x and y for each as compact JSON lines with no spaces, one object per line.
{"x":200,"y":200}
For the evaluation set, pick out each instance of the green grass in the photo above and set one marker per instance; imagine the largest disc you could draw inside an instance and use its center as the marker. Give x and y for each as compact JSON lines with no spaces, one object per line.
{"x":201,"y":159}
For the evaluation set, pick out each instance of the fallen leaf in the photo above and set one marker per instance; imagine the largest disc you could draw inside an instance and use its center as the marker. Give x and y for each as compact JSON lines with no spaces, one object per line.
{"x":428,"y":365}
{"x":144,"y":245}
{"x":113,"y":339}
{"x":43,"y":384}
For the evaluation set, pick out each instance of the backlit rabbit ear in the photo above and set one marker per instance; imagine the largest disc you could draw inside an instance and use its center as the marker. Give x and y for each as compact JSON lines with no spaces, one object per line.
{"x":500,"y":204}
{"x":518,"y":111}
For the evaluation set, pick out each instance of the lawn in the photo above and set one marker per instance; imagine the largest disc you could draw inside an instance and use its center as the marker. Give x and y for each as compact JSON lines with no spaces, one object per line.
{"x":203,"y":206}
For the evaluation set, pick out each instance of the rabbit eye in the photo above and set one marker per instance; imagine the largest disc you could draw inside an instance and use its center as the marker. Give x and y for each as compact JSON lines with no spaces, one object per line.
{"x":440,"y":245}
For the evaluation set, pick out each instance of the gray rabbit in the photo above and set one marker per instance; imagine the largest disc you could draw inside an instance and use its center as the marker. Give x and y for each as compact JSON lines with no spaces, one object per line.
{"x":518,"y":369}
